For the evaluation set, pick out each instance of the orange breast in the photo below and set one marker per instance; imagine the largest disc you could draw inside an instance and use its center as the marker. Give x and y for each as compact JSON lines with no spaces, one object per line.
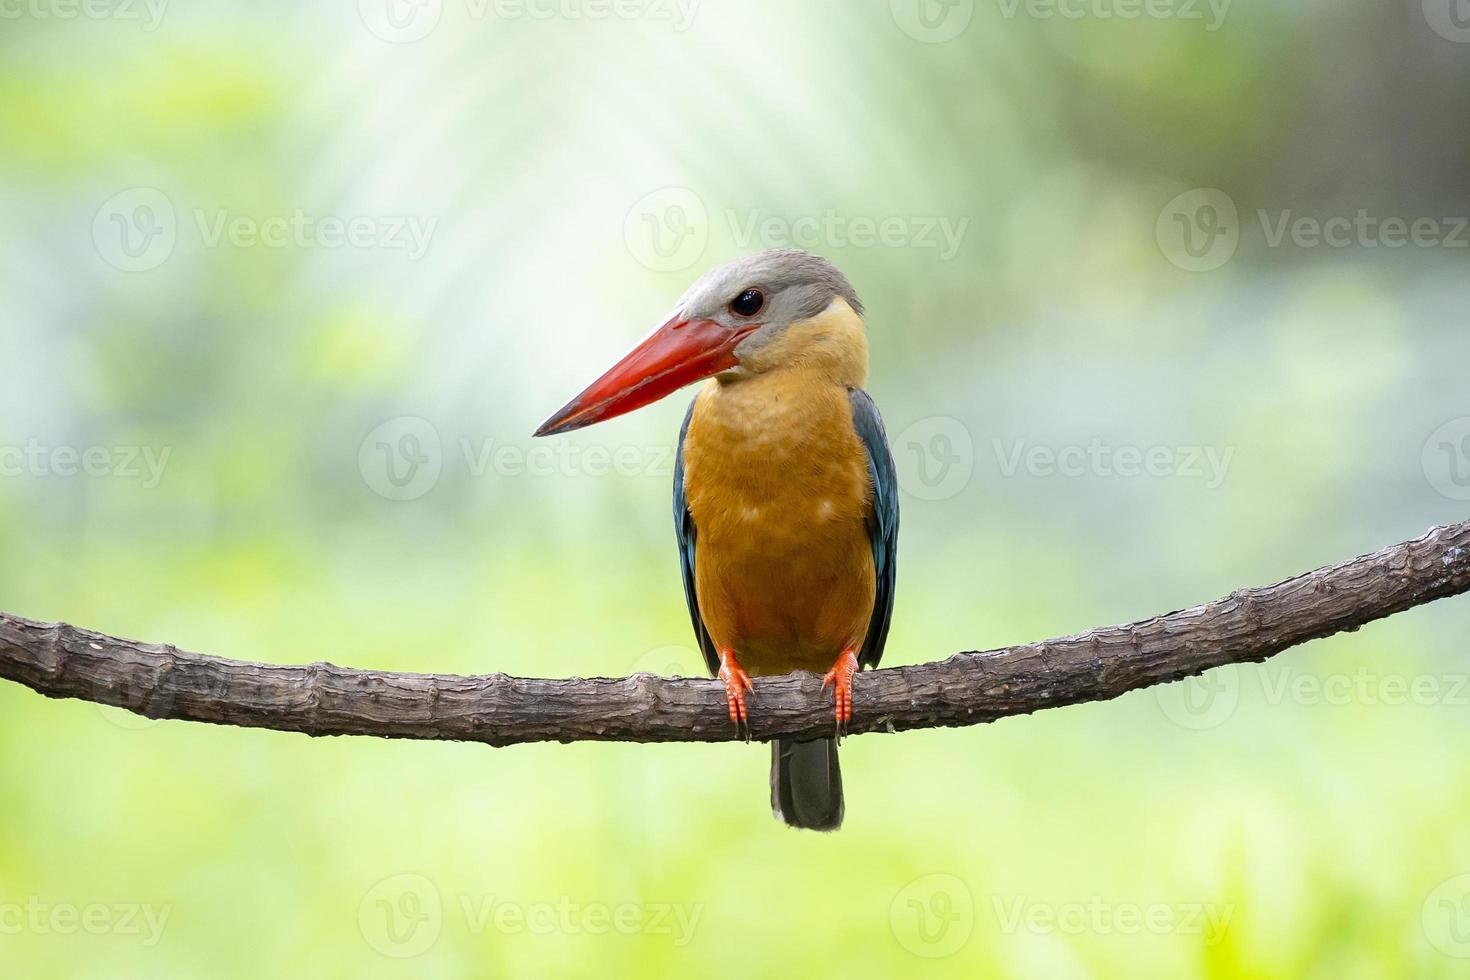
{"x":777,"y":483}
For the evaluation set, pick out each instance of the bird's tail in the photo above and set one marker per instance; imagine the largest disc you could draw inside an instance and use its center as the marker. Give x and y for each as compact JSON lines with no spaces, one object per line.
{"x":806,"y":783}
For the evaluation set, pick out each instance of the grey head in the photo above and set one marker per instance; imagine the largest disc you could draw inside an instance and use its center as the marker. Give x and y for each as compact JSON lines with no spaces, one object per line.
{"x":775,"y":288}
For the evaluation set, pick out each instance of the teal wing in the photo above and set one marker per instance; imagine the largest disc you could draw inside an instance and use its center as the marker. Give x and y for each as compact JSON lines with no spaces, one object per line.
{"x":686,"y":534}
{"x":882,"y":522}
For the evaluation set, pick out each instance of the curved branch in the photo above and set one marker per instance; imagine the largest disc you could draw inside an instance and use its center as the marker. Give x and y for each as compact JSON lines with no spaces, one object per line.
{"x":63,"y":661}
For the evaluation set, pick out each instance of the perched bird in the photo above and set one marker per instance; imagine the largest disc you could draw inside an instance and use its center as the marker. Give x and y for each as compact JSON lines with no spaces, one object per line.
{"x":785,"y":499}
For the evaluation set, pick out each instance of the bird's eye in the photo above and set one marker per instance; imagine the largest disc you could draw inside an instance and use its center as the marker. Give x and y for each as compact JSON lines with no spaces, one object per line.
{"x":748,"y":303}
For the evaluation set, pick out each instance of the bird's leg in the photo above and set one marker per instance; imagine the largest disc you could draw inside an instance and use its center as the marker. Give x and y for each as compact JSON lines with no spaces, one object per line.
{"x":840,"y":677}
{"x":737,"y":682}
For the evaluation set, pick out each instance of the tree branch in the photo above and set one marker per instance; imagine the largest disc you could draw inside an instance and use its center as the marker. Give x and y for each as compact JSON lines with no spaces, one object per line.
{"x":63,"y":661}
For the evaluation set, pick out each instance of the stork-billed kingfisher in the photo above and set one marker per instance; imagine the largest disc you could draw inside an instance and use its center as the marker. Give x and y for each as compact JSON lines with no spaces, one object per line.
{"x":785,"y":499}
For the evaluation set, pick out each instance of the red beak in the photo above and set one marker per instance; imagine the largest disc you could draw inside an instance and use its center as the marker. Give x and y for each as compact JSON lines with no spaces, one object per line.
{"x":678,"y":353}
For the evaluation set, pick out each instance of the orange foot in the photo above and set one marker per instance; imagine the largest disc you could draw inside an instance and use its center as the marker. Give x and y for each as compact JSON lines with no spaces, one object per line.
{"x":737,"y":682}
{"x":840,"y":677}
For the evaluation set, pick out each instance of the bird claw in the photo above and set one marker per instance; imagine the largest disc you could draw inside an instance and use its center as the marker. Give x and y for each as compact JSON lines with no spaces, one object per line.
{"x":839,"y":678}
{"x":737,"y":682}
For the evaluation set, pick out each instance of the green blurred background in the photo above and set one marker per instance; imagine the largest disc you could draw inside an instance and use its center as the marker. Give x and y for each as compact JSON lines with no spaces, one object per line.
{"x":285,"y":288}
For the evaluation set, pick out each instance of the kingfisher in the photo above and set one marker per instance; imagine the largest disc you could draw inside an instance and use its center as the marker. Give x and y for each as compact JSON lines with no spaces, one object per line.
{"x":785,"y":495}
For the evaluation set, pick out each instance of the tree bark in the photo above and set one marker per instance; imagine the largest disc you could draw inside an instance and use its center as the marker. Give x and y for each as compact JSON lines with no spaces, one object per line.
{"x":63,"y":661}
